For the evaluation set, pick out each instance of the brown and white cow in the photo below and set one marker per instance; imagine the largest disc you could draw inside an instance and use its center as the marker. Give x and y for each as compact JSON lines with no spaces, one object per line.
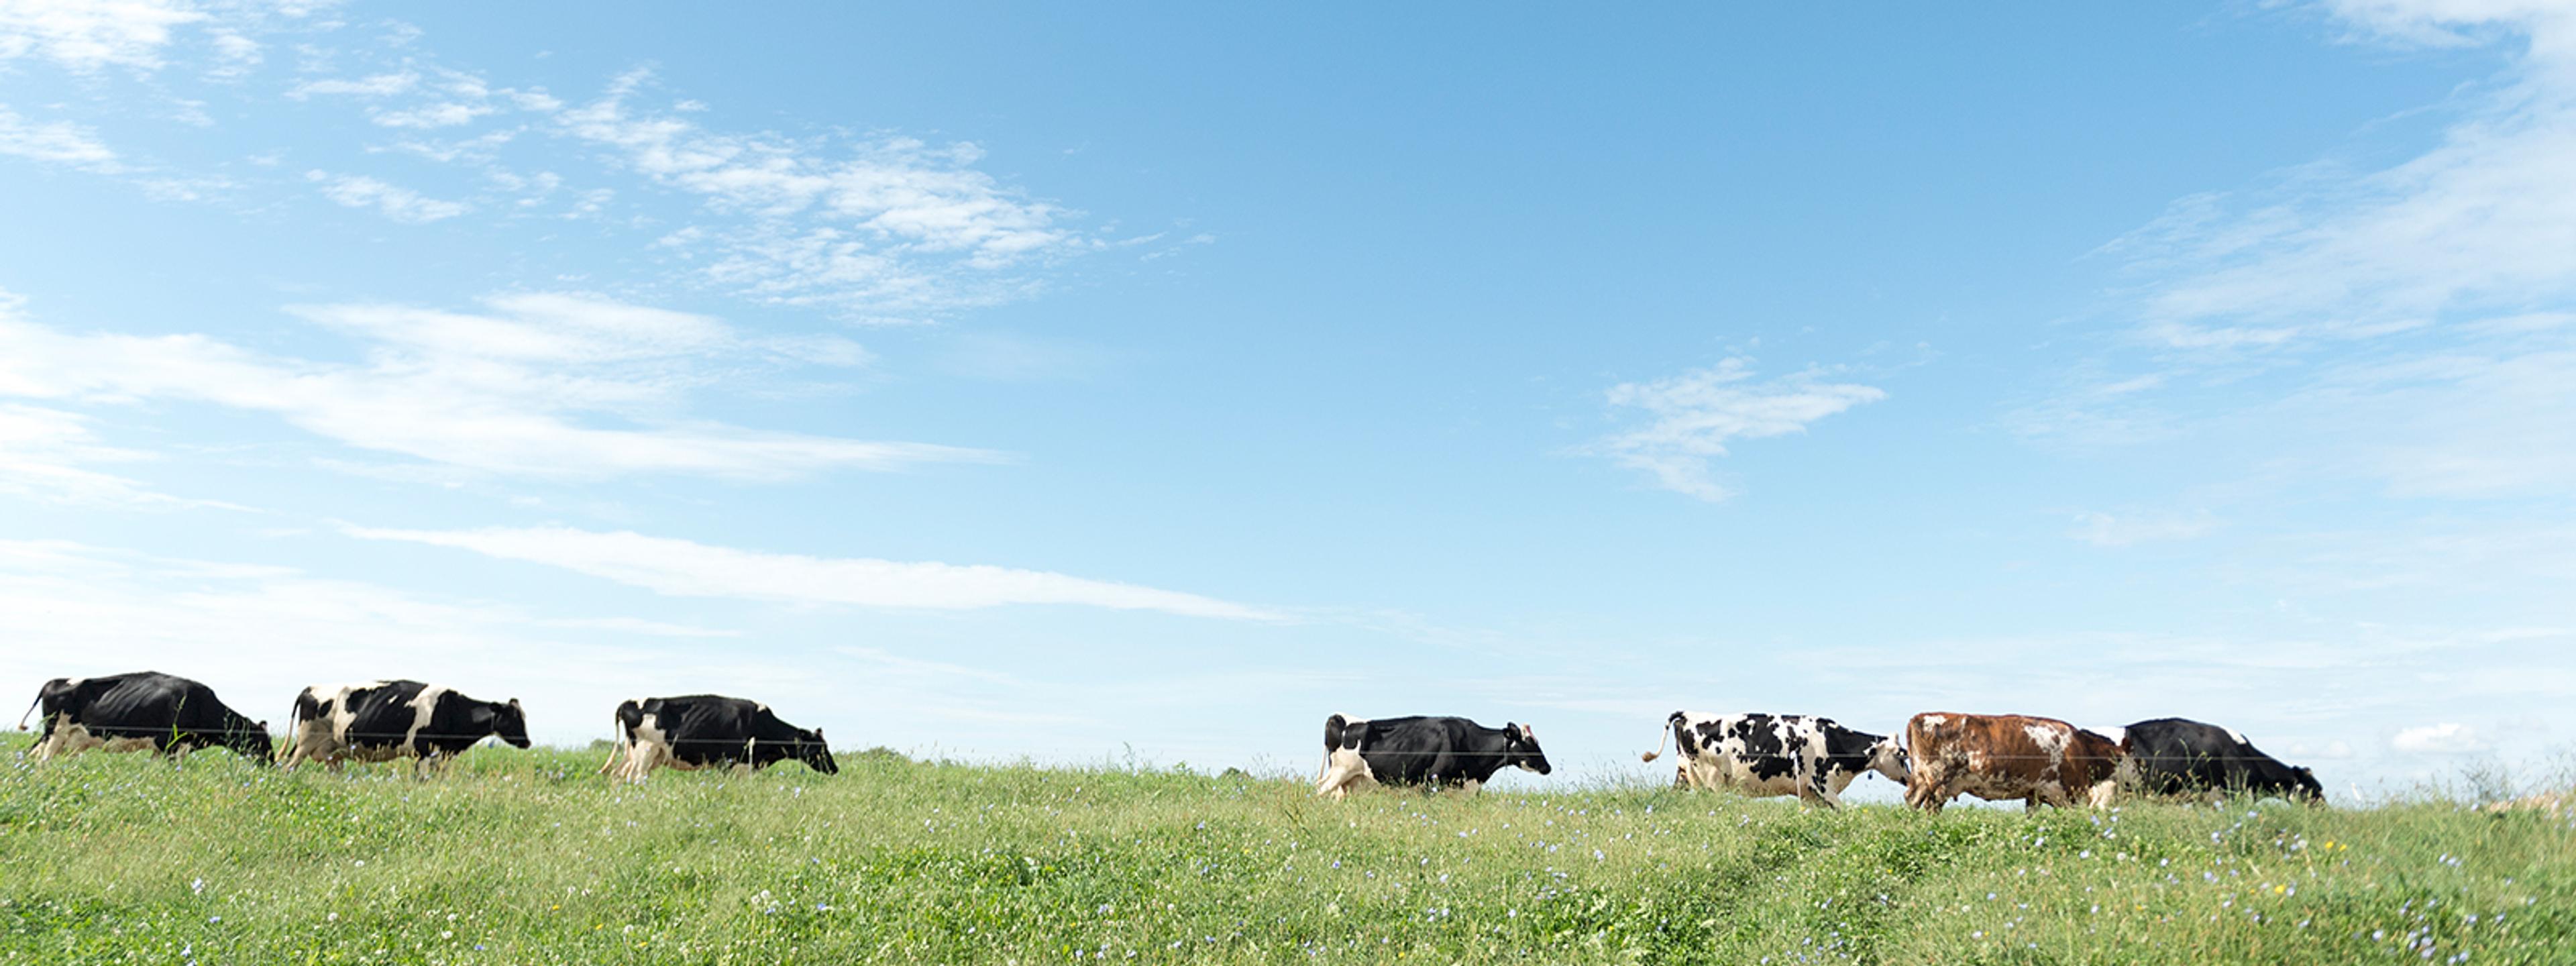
{"x":2003,"y":757}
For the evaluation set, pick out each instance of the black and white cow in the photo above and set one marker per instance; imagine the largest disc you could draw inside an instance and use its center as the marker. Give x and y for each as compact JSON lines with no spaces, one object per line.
{"x":2174,"y":756}
{"x":1437,"y":752}
{"x":1764,"y":755}
{"x":145,"y":709}
{"x":710,"y":731}
{"x":385,"y":720}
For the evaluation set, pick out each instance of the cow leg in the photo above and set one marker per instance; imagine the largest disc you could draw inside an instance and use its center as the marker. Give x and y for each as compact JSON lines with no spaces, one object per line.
{"x":2102,"y":794}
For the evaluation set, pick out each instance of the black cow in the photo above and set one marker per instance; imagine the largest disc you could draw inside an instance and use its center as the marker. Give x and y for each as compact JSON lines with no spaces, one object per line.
{"x":1422,"y":751}
{"x":145,"y":709}
{"x":708,"y":730}
{"x":385,"y":720}
{"x":2179,"y":757}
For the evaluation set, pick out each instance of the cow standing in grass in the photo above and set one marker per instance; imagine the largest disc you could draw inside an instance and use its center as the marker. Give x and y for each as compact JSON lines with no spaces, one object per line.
{"x":1765,"y":755}
{"x":386,"y":720}
{"x":1434,"y":752}
{"x":2004,"y":757}
{"x":2175,"y":756}
{"x":709,"y":731}
{"x":138,"y":711}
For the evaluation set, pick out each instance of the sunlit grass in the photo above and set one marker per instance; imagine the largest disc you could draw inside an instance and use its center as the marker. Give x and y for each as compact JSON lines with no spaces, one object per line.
{"x":526,"y":857}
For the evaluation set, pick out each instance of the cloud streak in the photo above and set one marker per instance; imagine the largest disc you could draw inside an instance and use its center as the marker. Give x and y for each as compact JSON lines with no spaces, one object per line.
{"x":1696,"y":414}
{"x":684,"y":568}
{"x":525,"y":388}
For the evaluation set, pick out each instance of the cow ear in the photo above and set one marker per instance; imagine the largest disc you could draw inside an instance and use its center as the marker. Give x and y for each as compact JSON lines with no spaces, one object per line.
{"x":514,"y":704}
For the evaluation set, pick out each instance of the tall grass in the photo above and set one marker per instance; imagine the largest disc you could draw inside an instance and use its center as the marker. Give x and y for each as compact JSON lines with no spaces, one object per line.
{"x":525,"y":857}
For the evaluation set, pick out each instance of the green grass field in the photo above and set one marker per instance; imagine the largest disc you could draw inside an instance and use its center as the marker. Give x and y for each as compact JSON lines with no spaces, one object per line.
{"x":526,"y":857}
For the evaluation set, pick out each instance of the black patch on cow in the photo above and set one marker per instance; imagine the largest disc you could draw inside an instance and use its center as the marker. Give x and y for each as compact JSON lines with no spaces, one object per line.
{"x":165,"y":708}
{"x":1766,"y":755}
{"x":2176,"y":756}
{"x":1846,"y":750}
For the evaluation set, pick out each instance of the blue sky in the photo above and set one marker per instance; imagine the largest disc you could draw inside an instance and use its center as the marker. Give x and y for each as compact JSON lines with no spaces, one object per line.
{"x":1011,"y":382}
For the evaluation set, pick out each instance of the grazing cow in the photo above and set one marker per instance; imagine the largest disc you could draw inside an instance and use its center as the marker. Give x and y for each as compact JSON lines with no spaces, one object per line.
{"x":2008,"y":756}
{"x":706,"y":730}
{"x":2178,"y":757}
{"x":145,"y":709}
{"x":1437,"y":752}
{"x":385,"y":720}
{"x":1762,"y":755}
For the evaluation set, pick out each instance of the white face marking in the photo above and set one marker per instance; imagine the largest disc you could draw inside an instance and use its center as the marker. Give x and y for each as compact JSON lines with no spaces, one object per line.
{"x":2232,"y":735}
{"x":1936,"y":720}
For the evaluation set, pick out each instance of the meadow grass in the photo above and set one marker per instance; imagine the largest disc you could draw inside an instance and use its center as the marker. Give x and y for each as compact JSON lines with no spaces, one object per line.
{"x":526,"y":857}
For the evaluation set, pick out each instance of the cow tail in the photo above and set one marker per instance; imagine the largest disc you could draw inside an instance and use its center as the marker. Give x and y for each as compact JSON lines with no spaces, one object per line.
{"x":31,"y":709}
{"x":1669,"y":724}
{"x":617,"y":737}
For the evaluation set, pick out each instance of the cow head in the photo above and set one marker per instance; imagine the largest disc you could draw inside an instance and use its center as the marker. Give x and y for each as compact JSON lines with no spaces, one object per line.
{"x":249,"y":739}
{"x":2308,"y":789}
{"x":1887,"y":757}
{"x":816,"y":753}
{"x":510,"y":723}
{"x":1523,"y":750}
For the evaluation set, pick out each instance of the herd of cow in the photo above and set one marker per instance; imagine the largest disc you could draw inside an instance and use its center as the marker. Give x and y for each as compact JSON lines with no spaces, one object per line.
{"x":1942,"y":755}
{"x":1997,"y":757}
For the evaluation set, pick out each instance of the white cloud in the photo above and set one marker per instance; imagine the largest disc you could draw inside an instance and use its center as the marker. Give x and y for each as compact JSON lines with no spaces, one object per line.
{"x":2107,"y":530}
{"x":55,"y":142}
{"x":85,"y":35}
{"x":443,"y":114}
{"x":371,"y":86}
{"x":1698,"y":413}
{"x":2483,"y":222}
{"x":886,"y":227}
{"x":45,"y":455}
{"x":517,"y":390}
{"x":2446,"y":738}
{"x":398,"y":203}
{"x":686,"y":569}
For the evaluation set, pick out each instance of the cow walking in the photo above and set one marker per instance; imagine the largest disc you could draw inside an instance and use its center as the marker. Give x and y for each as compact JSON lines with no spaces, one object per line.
{"x":386,"y":720}
{"x":709,"y":731}
{"x":1763,"y":755}
{"x":138,"y":711}
{"x":1434,"y":752}
{"x":2008,"y":756}
{"x":2175,"y":756}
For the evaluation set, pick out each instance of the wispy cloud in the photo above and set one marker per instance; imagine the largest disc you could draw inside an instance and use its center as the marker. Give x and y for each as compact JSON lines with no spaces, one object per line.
{"x":520,"y":389}
{"x":885,"y":228}
{"x":687,"y":569}
{"x":55,"y":142}
{"x":398,"y":203}
{"x":48,"y":455}
{"x":2130,"y":529}
{"x":1696,"y":414}
{"x":2483,"y":222}
{"x":85,"y":35}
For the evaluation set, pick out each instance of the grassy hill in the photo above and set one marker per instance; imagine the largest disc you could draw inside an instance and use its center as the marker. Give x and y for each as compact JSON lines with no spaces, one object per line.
{"x":526,"y":857}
